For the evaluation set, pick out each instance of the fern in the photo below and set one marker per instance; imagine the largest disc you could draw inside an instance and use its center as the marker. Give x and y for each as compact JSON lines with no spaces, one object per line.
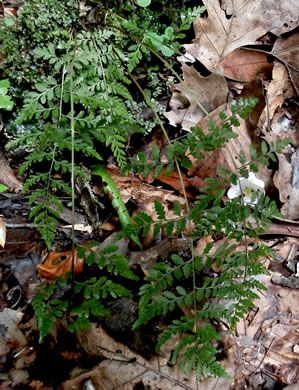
{"x":98,"y":91}
{"x":83,"y":96}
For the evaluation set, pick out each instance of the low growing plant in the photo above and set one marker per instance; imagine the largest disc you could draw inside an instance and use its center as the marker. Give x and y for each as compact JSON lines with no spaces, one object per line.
{"x":84,"y":97}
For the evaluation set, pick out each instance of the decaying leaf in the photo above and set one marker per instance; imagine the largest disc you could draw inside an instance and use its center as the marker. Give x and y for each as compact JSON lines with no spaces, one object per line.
{"x":279,"y":89}
{"x":286,"y":179}
{"x":243,"y":65}
{"x":286,"y":49}
{"x":81,"y":227}
{"x":117,"y":370}
{"x":221,"y":157}
{"x":232,"y":24}
{"x":58,"y":263}
{"x":209,"y":91}
{"x":130,"y":187}
{"x":8,"y":177}
{"x":271,"y":334}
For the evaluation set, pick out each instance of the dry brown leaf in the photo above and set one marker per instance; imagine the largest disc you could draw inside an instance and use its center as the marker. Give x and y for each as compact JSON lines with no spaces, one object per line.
{"x":272,"y":332}
{"x":173,"y":180}
{"x":151,"y":374}
{"x":58,"y":263}
{"x":232,"y":24}
{"x":210,"y":91}
{"x":286,"y":179}
{"x":221,"y":157}
{"x":279,"y":89}
{"x":8,"y":177}
{"x":286,"y":49}
{"x":243,"y":65}
{"x":130,"y":187}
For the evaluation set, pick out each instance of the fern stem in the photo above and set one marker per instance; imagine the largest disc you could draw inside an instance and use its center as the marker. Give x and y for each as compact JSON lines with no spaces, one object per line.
{"x":244,"y":222}
{"x":148,"y":101}
{"x":73,"y":158}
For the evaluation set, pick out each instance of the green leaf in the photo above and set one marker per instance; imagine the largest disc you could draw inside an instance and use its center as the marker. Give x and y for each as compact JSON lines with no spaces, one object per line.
{"x":242,"y":157}
{"x":159,"y":209}
{"x":158,"y":170}
{"x":143,"y":3}
{"x":169,"y":169}
{"x":2,"y":187}
{"x":9,"y":21}
{"x":169,"y":227}
{"x":177,"y":208}
{"x":264,"y":147}
{"x":155,"y":154}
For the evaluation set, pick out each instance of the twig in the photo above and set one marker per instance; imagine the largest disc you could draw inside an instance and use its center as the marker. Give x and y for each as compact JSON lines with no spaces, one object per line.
{"x":128,"y":360}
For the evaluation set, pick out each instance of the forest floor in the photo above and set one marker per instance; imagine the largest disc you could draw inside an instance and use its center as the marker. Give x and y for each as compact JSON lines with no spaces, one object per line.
{"x":263,"y":352}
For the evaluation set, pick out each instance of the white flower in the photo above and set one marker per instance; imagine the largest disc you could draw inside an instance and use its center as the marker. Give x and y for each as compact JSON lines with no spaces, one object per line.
{"x":250,"y":186}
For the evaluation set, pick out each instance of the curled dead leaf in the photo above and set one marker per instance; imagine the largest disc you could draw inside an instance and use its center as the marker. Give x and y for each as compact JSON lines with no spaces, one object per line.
{"x":243,"y":65}
{"x":210,"y":91}
{"x":228,"y":26}
{"x":286,"y":49}
{"x":2,"y":232}
{"x":58,"y":263}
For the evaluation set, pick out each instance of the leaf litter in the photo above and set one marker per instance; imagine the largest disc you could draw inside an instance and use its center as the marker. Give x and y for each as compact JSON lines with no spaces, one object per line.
{"x":264,"y":350}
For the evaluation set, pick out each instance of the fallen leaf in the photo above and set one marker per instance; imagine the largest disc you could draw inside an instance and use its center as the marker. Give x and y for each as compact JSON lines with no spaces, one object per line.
{"x":58,"y":263}
{"x":243,"y":65}
{"x":210,"y":91}
{"x":8,"y":177}
{"x":107,"y":226}
{"x":272,"y":332}
{"x":279,"y":89}
{"x":173,"y":180}
{"x":286,"y":179}
{"x":81,"y":227}
{"x":127,"y":370}
{"x":230,"y":25}
{"x":286,"y":49}
{"x":2,"y":232}
{"x":207,"y":167}
{"x":130,"y":187}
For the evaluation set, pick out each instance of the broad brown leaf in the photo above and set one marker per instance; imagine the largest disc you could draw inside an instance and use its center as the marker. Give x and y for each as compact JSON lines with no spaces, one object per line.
{"x":243,"y":65}
{"x":232,"y":24}
{"x":58,"y":263}
{"x":210,"y":91}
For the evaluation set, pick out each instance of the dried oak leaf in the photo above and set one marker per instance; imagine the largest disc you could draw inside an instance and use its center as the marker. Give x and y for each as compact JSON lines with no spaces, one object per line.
{"x":279,"y":89}
{"x":243,"y":65}
{"x":286,"y":49}
{"x":124,"y":369}
{"x":209,"y":91}
{"x":286,"y":180}
{"x":207,"y":167}
{"x":58,"y":263}
{"x":232,"y":24}
{"x":8,"y":177}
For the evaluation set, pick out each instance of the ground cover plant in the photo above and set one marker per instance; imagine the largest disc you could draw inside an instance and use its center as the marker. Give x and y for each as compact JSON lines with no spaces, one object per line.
{"x":81,"y":87}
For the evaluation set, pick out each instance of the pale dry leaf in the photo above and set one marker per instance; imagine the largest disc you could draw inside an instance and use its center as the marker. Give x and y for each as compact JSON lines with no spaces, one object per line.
{"x":237,"y":23}
{"x":152,"y":374}
{"x":81,"y":227}
{"x":286,"y":49}
{"x":2,"y":232}
{"x":130,"y":187}
{"x":222,"y":157}
{"x":290,"y":191}
{"x":280,"y":89}
{"x":8,"y":177}
{"x":275,"y":326}
{"x":243,"y":65}
{"x":210,"y":91}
